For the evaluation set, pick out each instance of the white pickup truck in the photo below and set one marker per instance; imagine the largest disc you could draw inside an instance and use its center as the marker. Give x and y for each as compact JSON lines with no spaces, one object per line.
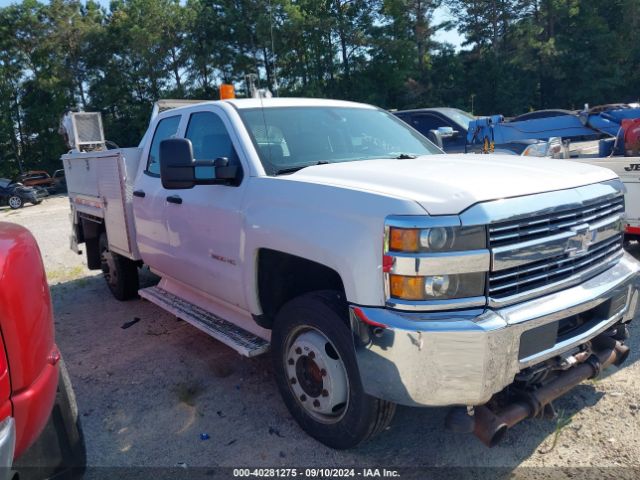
{"x":377,"y":270}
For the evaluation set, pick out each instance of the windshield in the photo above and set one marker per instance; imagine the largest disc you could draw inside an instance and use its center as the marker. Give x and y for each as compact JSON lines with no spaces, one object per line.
{"x":461,"y":117}
{"x":290,"y":138}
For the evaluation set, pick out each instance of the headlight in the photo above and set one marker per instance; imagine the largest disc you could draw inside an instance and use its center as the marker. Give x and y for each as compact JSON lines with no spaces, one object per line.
{"x":437,"y":287}
{"x":553,"y":148}
{"x":536,"y":150}
{"x":435,"y":263}
{"x":436,"y":239}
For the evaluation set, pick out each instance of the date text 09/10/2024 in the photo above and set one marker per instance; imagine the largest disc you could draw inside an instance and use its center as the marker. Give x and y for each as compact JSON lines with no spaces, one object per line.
{"x":315,"y":472}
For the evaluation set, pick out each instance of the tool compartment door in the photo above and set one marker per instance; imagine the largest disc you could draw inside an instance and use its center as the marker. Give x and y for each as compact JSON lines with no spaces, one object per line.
{"x":629,"y":173}
{"x":111,"y":185}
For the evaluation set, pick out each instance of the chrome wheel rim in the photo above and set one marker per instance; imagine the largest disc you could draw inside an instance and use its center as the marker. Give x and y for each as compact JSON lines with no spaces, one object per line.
{"x":15,"y":202}
{"x":316,"y":374}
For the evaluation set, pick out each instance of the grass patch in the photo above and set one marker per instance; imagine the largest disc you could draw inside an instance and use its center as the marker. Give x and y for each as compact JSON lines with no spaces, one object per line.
{"x":65,"y":274}
{"x":562,"y":421}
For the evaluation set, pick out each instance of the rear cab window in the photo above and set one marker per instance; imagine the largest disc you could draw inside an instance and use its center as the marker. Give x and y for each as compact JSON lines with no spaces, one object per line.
{"x":166,"y":128}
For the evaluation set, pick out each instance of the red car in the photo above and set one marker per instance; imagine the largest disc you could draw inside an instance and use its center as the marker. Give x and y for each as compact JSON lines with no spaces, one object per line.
{"x":30,"y":363}
{"x":36,"y":178}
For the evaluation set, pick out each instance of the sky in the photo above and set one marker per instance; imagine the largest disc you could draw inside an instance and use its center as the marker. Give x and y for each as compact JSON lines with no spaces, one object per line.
{"x":440,"y":15}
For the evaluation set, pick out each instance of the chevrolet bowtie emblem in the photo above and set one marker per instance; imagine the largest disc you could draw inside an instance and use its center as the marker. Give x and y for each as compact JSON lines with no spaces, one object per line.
{"x":579,"y":243}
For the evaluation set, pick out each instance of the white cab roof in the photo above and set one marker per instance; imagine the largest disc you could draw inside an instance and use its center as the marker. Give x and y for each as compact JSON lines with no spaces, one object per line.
{"x":242,"y":103}
{"x":247,"y":103}
{"x":294,"y":102}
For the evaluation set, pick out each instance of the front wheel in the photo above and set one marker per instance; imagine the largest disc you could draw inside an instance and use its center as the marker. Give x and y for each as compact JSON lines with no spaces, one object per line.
{"x":317,"y":373}
{"x":120,"y":273}
{"x":15,"y":202}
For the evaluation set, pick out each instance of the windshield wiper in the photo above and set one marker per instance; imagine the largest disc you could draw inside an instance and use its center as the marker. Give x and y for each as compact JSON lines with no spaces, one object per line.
{"x":299,"y":167}
{"x":405,"y":156}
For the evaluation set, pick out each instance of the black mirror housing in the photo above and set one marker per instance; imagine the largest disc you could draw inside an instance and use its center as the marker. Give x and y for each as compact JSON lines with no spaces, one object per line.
{"x":177,"y":167}
{"x":224,"y":171}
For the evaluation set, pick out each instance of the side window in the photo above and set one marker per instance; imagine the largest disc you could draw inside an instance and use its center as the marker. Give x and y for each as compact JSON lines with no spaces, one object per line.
{"x":425,"y":122}
{"x":166,"y":128}
{"x":210,"y":140}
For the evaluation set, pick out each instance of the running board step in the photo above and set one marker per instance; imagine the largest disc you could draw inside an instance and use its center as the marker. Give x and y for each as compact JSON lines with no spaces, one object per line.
{"x":245,"y":343}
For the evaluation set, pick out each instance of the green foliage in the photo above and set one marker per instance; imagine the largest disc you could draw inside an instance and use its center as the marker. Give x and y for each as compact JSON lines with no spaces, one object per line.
{"x":519,"y":55}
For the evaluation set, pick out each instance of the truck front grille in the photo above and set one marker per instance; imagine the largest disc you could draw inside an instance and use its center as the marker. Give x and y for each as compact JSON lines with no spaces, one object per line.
{"x":540,"y":226}
{"x":545,"y":251}
{"x":533,"y":275}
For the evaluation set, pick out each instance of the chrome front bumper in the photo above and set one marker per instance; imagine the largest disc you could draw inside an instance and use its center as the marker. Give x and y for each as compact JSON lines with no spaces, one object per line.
{"x":465,"y":357}
{"x":7,"y":446}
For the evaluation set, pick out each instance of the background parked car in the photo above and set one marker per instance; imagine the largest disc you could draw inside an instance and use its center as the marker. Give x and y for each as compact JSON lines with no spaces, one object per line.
{"x":16,"y":194}
{"x":427,"y":119}
{"x":60,"y":181}
{"x":38,"y":414}
{"x":36,"y":178}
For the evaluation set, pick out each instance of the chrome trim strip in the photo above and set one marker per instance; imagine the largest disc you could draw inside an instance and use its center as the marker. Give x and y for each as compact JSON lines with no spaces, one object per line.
{"x":537,"y":225}
{"x":511,"y":256}
{"x":7,"y":445}
{"x":422,"y":221}
{"x":554,"y":287}
{"x":436,"y":305}
{"x":549,"y":203}
{"x":424,"y":264}
{"x":633,"y":305}
{"x":611,"y":247}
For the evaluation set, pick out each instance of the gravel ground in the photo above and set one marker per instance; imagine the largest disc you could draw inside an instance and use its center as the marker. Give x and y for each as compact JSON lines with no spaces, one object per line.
{"x":146,"y":394}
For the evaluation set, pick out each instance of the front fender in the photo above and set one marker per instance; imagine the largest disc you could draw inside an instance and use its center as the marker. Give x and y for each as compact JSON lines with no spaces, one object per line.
{"x":340,"y":228}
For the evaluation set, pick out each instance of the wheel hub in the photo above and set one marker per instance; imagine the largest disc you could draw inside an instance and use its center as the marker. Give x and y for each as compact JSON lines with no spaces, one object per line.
{"x":109,"y":267}
{"x":310,"y":376}
{"x":317,"y":375}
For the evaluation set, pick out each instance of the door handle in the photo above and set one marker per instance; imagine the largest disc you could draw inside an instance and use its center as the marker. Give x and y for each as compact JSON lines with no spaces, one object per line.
{"x":139,"y":193}
{"x":174,"y":199}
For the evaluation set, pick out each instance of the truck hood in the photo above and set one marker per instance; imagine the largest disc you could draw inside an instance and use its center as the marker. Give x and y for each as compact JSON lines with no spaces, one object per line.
{"x":449,"y":184}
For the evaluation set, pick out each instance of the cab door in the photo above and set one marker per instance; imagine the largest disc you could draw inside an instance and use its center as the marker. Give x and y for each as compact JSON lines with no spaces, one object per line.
{"x":149,"y":201}
{"x":205,"y":223}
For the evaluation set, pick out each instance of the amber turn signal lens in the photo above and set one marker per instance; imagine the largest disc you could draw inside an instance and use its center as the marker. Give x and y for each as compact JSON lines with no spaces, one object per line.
{"x":407,"y":288}
{"x":404,"y":239}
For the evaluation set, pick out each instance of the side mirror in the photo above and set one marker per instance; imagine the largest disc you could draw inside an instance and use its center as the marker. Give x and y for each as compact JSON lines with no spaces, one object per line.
{"x":176,"y":164}
{"x":447,"y":132}
{"x":436,"y":138}
{"x":224,"y":171}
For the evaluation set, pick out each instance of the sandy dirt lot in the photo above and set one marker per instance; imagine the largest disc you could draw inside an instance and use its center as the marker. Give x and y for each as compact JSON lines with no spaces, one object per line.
{"x":146,"y":393}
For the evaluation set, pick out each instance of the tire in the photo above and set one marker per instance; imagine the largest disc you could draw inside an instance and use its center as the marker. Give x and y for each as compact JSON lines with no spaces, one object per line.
{"x":75,"y":454}
{"x":120,"y":273}
{"x":317,"y":374}
{"x":15,"y":202}
{"x":59,"y":452}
